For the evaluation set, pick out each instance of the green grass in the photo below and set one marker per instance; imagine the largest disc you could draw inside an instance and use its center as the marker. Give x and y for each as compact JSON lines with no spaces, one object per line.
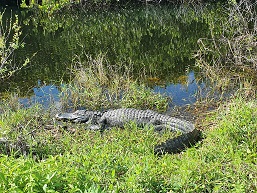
{"x":76,"y":160}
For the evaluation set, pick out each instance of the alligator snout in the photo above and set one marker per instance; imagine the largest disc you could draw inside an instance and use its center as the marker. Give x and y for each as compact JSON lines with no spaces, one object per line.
{"x":71,"y":117}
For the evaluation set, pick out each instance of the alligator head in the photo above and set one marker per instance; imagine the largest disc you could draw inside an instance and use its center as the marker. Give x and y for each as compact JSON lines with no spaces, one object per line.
{"x":80,"y":116}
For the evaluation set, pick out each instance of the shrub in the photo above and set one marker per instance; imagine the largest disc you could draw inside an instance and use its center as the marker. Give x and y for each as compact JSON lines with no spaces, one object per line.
{"x":10,"y":34}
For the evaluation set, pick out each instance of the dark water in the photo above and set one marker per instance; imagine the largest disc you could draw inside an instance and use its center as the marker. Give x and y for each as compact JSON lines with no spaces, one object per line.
{"x":160,"y":40}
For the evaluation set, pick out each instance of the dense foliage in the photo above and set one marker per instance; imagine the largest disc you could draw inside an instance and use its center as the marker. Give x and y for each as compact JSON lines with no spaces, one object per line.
{"x":102,"y":3}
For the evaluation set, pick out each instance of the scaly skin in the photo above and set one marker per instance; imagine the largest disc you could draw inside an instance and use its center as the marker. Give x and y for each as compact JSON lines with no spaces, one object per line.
{"x":119,"y":117}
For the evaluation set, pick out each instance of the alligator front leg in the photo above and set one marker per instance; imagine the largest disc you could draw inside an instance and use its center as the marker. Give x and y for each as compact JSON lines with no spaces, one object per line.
{"x":94,"y":127}
{"x":103,"y":125}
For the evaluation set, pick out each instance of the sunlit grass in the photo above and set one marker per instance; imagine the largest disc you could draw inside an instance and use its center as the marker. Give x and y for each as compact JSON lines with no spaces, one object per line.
{"x":75,"y":159}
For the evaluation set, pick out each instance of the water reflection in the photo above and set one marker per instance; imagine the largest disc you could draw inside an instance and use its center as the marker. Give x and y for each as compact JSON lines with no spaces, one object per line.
{"x":43,"y":95}
{"x":155,"y":40}
{"x":181,"y":94}
{"x":148,"y":42}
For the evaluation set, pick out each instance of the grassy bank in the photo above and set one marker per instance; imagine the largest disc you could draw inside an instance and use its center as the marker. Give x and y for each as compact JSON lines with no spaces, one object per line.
{"x":75,"y":160}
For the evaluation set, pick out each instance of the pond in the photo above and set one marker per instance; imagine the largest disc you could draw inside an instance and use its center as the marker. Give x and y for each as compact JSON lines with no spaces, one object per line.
{"x":156,"y":44}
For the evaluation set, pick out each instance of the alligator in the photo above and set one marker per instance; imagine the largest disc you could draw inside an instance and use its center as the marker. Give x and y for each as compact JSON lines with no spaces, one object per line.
{"x":119,"y":117}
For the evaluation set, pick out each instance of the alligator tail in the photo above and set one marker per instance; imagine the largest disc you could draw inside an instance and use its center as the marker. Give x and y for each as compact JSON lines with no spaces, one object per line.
{"x":178,"y":144}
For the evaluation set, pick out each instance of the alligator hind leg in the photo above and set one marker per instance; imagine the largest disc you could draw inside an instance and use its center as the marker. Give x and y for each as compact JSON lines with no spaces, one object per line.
{"x":157,"y":124}
{"x":163,"y":127}
{"x":160,"y":128}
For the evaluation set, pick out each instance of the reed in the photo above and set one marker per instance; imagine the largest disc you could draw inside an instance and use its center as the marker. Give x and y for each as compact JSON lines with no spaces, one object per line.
{"x":99,"y":85}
